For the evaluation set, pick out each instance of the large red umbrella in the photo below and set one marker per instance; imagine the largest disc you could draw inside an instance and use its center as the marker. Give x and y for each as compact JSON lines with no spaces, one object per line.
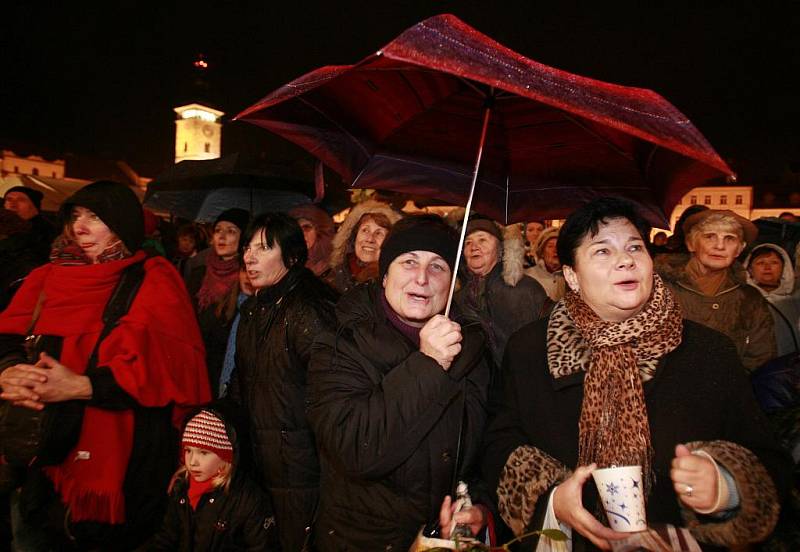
{"x":414,"y":117}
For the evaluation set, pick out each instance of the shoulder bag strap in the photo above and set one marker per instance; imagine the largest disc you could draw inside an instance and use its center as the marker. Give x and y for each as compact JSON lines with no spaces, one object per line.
{"x":119,"y":304}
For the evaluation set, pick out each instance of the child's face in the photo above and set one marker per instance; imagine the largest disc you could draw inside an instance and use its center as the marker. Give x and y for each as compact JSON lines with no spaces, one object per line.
{"x":202,"y":464}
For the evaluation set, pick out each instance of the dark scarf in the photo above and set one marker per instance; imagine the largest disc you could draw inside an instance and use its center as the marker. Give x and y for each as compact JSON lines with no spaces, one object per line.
{"x":361,"y":272}
{"x":706,"y":282}
{"x":613,"y":427}
{"x":411,"y":332}
{"x":220,"y":276}
{"x":476,"y":300}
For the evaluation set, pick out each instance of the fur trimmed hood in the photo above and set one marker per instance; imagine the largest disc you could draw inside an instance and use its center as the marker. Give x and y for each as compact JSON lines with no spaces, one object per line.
{"x":513,"y":255}
{"x":341,"y":241}
{"x":787,"y":284}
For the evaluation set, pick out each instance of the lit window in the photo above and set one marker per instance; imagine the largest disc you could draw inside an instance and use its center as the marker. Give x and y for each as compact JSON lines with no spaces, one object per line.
{"x":185,"y":147}
{"x":16,"y":169}
{"x":693,"y":200}
{"x":738,"y":200}
{"x":208,"y":147}
{"x":199,"y":114}
{"x":707,"y":200}
{"x":35,"y":171}
{"x":723,"y":200}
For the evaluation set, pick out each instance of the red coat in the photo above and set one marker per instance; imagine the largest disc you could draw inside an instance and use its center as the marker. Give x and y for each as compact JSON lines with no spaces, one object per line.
{"x":155,"y":355}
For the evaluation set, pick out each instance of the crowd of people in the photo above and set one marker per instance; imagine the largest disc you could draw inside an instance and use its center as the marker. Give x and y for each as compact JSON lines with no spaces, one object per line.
{"x":297,"y":386}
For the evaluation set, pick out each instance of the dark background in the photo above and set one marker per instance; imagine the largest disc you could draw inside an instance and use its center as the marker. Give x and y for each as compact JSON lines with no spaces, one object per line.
{"x":102,"y":81}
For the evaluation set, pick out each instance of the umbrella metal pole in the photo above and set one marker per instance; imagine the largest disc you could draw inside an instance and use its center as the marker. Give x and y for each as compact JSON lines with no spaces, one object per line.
{"x":486,"y":113}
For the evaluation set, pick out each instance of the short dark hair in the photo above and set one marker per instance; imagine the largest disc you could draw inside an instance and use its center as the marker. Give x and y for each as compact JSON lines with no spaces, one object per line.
{"x":587,"y":220}
{"x":281,"y":228}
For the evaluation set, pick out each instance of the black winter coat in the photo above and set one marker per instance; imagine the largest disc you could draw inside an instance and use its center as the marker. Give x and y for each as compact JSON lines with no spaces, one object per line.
{"x":273,"y":347}
{"x":387,"y":421}
{"x":502,"y":308}
{"x":699,"y":393}
{"x":240,"y":518}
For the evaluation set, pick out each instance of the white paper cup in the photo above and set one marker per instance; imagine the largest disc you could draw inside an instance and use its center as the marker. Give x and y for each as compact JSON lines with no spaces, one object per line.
{"x":622,"y":494}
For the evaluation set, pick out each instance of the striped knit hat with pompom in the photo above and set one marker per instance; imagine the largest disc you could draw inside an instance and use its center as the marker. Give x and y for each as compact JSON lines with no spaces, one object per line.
{"x":207,"y":432}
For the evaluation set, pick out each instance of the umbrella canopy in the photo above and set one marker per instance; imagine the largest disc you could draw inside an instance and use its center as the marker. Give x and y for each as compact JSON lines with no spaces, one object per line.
{"x":410,"y":118}
{"x":201,"y":190}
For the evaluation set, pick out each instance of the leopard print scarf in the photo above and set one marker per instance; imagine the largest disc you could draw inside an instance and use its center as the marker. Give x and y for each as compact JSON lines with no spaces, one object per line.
{"x":613,"y":427}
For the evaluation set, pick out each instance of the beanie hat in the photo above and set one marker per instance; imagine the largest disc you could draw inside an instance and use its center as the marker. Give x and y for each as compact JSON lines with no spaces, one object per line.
{"x":238,"y":217}
{"x":487,"y":225}
{"x":207,"y":432}
{"x":116,"y":205}
{"x":419,"y":233}
{"x":34,"y":195}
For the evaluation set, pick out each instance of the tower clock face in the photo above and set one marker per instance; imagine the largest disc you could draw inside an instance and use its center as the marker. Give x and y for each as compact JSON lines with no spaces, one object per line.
{"x":208,"y":130}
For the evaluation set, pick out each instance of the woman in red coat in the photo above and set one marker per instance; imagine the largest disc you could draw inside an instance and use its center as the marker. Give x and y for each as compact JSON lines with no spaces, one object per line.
{"x":111,"y":485}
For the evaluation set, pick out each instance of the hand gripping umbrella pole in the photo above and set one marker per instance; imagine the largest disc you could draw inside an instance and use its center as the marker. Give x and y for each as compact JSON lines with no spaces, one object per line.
{"x":487,"y":110}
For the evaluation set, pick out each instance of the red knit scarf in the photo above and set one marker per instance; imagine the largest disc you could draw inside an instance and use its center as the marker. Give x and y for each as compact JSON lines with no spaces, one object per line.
{"x":220,"y":277}
{"x":197,"y":489}
{"x":155,"y":355}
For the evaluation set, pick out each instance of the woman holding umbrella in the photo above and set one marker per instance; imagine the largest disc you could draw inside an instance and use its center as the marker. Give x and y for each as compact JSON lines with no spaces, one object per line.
{"x":622,"y":379}
{"x":397,"y":397}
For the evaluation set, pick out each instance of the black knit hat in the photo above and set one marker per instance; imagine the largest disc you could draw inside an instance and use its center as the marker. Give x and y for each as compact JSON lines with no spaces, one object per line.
{"x":34,"y":195}
{"x":478,"y":223}
{"x":419,"y":233}
{"x":116,"y":205}
{"x":238,"y":217}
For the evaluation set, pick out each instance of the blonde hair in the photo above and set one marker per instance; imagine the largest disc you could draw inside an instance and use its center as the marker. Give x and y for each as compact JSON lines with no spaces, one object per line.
{"x":223,"y":479}
{"x":722,"y":221}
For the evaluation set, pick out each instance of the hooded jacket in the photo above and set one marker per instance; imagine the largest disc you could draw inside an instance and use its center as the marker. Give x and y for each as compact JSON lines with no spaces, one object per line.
{"x":737,"y":310}
{"x":239,"y":518}
{"x":505,"y":299}
{"x":552,"y":282}
{"x":387,"y":420}
{"x":273,"y":347}
{"x":339,"y":276}
{"x":785,"y":298}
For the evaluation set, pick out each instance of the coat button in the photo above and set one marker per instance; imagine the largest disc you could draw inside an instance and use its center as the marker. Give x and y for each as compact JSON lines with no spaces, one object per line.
{"x":211,"y":501}
{"x":182,"y":501}
{"x":445,"y":457}
{"x":388,"y":547}
{"x":331,"y":532}
{"x":715,"y":306}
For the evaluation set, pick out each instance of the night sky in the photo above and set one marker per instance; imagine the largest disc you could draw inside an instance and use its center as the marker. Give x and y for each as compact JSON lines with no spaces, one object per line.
{"x":104,"y":82}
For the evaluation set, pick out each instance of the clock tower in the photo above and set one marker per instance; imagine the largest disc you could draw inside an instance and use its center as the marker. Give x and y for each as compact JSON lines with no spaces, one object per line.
{"x":198,"y":132}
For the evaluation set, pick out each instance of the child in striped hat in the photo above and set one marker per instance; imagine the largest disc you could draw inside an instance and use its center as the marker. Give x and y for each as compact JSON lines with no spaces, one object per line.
{"x":207,"y":454}
{"x":213,"y":504}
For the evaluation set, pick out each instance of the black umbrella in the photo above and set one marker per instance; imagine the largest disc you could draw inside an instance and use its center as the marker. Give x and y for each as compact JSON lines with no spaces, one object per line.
{"x":201,"y":190}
